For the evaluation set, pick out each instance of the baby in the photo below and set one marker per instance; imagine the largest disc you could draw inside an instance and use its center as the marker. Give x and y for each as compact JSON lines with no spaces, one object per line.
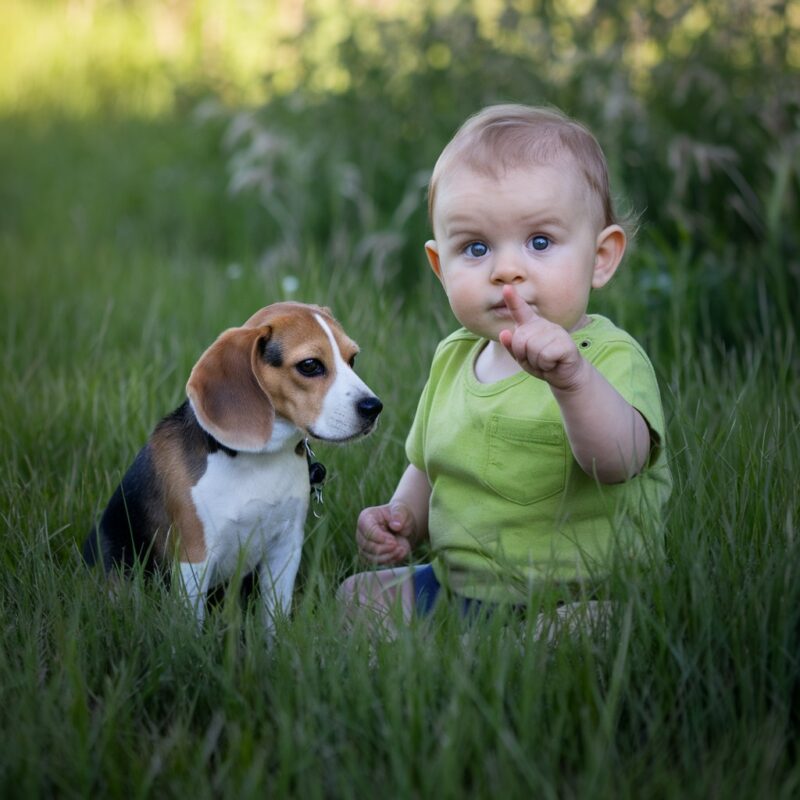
{"x":537,"y":450}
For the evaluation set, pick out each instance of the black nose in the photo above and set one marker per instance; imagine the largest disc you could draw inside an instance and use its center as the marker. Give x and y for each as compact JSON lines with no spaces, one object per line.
{"x":369,"y":407}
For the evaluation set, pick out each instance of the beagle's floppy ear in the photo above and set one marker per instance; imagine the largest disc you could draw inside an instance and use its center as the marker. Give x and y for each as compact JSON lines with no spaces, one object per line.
{"x":226,"y":395}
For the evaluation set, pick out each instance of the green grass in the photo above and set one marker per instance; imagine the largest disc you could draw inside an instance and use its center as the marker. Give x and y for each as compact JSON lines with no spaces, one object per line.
{"x":124,"y":252}
{"x":691,"y":693}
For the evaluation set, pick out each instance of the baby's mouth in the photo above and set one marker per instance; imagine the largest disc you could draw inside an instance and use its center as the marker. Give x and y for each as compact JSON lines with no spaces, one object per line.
{"x":501,"y":310}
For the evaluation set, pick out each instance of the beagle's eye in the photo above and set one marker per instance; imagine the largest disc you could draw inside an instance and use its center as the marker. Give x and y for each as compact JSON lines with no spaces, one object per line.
{"x":310,"y":368}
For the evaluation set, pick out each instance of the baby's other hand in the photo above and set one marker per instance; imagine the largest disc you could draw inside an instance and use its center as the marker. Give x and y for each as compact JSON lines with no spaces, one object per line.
{"x":384,"y":533}
{"x":542,"y":348}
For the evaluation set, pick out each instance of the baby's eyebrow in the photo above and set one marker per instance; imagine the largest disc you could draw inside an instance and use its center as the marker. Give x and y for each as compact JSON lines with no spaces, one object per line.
{"x":461,"y":224}
{"x":462,"y":233}
{"x":545,"y":222}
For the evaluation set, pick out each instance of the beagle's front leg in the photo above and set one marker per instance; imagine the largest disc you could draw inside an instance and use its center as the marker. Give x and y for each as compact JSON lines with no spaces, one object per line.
{"x":195,"y":580}
{"x":276,"y":574}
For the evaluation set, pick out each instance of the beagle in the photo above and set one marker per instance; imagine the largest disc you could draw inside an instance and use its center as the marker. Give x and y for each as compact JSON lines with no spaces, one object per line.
{"x":222,"y":485}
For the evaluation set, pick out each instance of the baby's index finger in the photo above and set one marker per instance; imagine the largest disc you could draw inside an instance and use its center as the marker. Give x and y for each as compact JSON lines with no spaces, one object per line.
{"x":520,"y":310}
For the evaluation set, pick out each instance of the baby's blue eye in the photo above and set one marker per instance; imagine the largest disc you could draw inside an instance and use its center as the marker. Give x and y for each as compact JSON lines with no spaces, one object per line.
{"x":476,"y":249}
{"x":540,"y":243}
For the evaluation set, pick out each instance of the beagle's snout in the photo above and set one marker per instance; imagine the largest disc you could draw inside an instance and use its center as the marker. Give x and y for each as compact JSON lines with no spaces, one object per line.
{"x":369,"y":408}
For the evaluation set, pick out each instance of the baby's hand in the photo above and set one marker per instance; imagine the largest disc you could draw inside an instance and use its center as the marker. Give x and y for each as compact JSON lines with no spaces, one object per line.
{"x":540,"y":347}
{"x":384,"y":533}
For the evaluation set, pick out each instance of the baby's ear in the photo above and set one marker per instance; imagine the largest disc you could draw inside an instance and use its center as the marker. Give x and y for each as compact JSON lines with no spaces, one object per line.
{"x":432,"y":251}
{"x":611,"y":243}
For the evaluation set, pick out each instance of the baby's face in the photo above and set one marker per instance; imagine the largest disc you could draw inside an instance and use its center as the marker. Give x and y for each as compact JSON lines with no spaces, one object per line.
{"x":534,"y":227}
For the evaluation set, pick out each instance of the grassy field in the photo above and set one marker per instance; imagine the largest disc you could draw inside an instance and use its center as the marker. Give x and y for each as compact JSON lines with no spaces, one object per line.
{"x":136,"y":225}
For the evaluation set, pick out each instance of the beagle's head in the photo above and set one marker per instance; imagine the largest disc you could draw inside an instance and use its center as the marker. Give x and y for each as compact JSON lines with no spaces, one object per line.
{"x":289,"y":361}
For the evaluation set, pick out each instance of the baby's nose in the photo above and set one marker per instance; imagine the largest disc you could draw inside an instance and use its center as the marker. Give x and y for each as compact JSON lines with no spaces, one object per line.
{"x":508,"y":269}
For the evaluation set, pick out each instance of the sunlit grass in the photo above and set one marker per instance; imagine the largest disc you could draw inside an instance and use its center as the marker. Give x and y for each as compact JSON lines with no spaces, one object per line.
{"x":73,"y":57}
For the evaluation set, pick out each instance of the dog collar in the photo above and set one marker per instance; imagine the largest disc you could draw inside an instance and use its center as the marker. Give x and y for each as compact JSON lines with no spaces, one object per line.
{"x":316,"y":477}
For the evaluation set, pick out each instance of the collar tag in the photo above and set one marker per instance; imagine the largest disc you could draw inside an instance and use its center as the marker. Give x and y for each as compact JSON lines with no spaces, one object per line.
{"x":316,"y":477}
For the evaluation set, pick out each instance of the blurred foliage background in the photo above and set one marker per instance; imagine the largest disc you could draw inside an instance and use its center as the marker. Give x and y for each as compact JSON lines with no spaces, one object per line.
{"x":315,"y":124}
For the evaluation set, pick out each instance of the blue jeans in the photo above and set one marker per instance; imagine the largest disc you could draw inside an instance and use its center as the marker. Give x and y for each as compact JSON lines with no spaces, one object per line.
{"x":427,"y":589}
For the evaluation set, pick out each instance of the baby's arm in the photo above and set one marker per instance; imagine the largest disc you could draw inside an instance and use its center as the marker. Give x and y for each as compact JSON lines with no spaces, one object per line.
{"x":608,"y":436}
{"x":387,"y":534}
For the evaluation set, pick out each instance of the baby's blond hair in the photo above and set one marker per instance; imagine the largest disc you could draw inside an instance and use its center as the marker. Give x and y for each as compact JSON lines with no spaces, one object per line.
{"x":506,"y":136}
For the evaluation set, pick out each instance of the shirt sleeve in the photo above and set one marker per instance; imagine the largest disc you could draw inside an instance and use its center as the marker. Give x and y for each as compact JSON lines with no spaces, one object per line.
{"x":415,"y":442}
{"x":626,"y":367}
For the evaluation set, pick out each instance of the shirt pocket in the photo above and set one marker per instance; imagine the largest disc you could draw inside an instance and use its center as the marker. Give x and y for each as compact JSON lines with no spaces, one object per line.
{"x":525,"y":459}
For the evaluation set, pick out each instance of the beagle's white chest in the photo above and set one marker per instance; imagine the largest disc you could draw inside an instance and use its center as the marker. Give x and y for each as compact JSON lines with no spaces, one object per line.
{"x":251,"y":505}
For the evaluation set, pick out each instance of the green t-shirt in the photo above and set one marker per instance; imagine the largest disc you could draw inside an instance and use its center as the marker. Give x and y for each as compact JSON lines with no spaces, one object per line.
{"x":510,"y":507}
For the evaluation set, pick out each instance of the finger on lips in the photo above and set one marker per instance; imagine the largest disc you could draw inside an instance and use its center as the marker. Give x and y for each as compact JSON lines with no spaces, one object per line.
{"x":521,"y":312}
